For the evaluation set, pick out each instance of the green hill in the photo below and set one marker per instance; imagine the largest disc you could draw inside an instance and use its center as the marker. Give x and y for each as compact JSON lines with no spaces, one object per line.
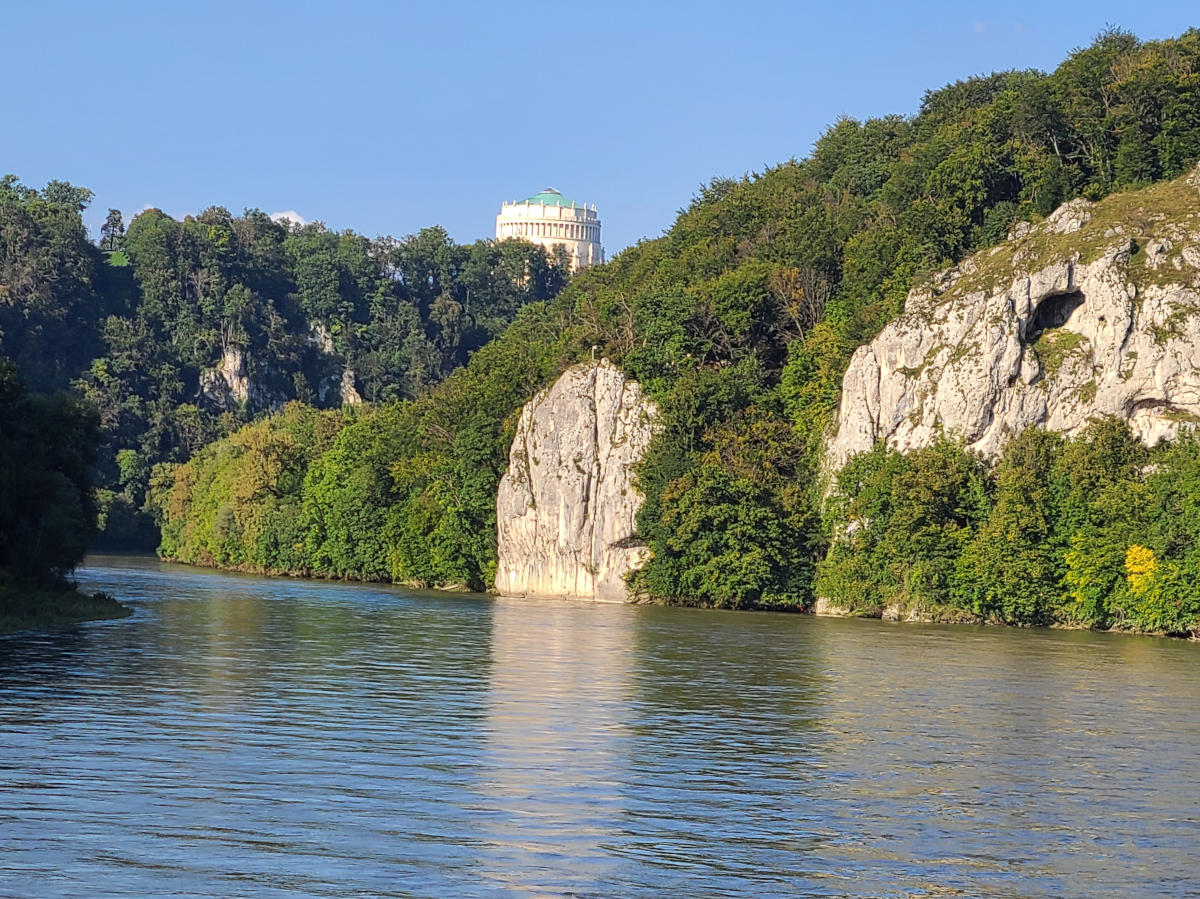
{"x":739,"y":322}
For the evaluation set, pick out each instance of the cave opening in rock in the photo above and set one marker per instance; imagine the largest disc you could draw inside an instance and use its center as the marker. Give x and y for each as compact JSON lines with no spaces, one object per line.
{"x":1053,"y":312}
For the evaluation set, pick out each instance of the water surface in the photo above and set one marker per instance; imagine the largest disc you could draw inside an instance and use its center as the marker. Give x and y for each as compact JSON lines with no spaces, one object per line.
{"x":255,"y":737}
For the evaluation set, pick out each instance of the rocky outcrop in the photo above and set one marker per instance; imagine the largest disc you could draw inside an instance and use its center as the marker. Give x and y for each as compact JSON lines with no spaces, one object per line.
{"x":237,"y":380}
{"x":227,"y":385}
{"x":341,"y":385}
{"x":349,"y":393}
{"x":319,"y":336}
{"x":336,"y":378}
{"x":1093,"y":312}
{"x":566,"y":506}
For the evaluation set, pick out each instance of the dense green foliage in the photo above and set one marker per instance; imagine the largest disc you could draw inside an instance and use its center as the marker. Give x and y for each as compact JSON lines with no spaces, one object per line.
{"x":740,"y":322}
{"x":1096,"y":531}
{"x":49,"y":283}
{"x":47,"y":510}
{"x":142,"y":329}
{"x":236,"y":504}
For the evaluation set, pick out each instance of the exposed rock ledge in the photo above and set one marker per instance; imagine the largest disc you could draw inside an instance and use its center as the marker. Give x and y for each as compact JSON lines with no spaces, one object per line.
{"x":1095,"y":311}
{"x":226,"y":385}
{"x":565,"y":508}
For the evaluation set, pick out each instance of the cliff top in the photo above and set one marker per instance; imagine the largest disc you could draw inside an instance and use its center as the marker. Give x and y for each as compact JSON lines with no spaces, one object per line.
{"x":1159,"y":225}
{"x":1093,"y":312}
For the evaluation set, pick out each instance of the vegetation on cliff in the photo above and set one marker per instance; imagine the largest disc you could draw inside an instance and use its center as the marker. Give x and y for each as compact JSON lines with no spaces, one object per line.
{"x":1094,"y":531}
{"x":740,"y":320}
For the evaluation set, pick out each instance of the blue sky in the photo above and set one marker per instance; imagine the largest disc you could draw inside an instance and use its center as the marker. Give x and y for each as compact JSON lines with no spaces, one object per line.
{"x":386,"y":117}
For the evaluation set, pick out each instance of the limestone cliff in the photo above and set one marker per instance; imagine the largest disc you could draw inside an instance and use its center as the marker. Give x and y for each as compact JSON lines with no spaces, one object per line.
{"x":1095,"y":311}
{"x":566,"y":506}
{"x":336,"y":378}
{"x":227,"y":384}
{"x":238,"y":379}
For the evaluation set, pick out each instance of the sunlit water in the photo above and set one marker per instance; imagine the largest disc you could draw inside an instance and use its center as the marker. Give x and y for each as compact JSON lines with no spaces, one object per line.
{"x":246,"y":736}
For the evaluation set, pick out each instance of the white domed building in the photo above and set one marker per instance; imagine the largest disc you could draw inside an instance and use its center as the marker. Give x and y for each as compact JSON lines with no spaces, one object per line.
{"x":549,"y":219}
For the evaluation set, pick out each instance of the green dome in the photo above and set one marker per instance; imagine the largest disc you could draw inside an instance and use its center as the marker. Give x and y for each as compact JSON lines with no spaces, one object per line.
{"x":549,"y":197}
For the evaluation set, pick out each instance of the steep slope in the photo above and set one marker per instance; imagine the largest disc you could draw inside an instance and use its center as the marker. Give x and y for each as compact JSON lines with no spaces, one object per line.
{"x":1093,"y":312}
{"x":566,"y":506}
{"x":740,"y":322}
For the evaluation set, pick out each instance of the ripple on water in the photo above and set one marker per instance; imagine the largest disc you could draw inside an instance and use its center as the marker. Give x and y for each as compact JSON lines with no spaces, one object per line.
{"x":282,"y":738}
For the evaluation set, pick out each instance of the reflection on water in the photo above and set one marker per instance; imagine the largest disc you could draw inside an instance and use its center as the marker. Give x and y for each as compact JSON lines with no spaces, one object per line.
{"x":555,"y":745}
{"x":244,"y":736}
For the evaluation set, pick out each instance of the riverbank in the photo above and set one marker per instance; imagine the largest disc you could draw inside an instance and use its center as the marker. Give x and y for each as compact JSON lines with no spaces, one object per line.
{"x":24,"y":606}
{"x":950,"y":615}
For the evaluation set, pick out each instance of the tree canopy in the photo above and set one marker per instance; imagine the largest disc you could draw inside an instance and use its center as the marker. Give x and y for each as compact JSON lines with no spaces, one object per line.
{"x":47,"y":508}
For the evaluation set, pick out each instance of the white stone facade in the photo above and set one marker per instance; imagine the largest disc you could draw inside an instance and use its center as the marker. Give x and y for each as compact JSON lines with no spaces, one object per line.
{"x":550,"y":219}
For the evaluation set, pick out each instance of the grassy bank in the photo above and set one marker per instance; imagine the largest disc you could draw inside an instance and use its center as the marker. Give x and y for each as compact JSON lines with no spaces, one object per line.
{"x":24,"y":606}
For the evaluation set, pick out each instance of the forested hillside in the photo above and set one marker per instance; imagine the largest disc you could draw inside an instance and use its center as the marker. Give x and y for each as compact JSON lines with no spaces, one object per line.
{"x":404,"y":491}
{"x":178,"y":332}
{"x":739,"y":321}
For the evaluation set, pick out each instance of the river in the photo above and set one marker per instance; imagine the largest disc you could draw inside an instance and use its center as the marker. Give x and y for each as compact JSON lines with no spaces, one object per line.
{"x":256,"y":737}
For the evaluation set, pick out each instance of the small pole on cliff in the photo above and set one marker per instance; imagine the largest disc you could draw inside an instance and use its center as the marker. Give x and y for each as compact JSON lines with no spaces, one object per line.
{"x":595,"y":346}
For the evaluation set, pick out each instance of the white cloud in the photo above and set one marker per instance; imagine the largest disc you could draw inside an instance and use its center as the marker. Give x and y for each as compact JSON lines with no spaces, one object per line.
{"x":980,"y":27}
{"x":178,"y":216}
{"x":291,"y":215}
{"x":129,"y":217}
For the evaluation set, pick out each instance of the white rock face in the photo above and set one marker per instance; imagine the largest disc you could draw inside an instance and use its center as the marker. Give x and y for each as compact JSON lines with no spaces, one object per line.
{"x":340,"y":379}
{"x":319,"y":335}
{"x":350,"y":394}
{"x":228,"y":384}
{"x":1069,"y":320}
{"x":566,"y":506}
{"x":340,"y":384}
{"x":237,"y":380}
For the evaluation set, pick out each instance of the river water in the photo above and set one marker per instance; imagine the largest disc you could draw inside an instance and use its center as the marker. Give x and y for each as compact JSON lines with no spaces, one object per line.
{"x":255,"y":737}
